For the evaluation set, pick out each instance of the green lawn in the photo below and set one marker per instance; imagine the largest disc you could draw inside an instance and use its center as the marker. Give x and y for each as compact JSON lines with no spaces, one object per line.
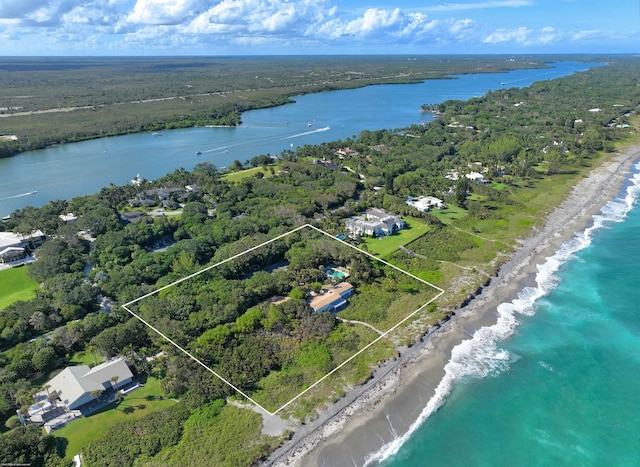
{"x":15,"y":285}
{"x":235,"y":177}
{"x":86,"y":358}
{"x":450,"y":214}
{"x":385,"y":246}
{"x":135,"y":405}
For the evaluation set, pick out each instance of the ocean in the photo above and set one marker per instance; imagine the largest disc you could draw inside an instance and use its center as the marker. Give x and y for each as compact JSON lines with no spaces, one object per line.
{"x":555,"y":381}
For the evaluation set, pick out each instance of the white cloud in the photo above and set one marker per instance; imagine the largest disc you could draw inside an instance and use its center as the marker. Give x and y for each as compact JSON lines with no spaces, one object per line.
{"x":20,"y":8}
{"x":523,"y":36}
{"x":279,"y":26}
{"x":261,"y":21}
{"x":91,"y":14}
{"x":163,"y":12}
{"x":586,"y":34}
{"x":380,"y":26}
{"x":480,"y":5}
{"x":508,"y":35}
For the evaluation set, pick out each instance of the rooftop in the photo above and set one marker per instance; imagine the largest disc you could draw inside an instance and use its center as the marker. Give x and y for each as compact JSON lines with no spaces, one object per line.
{"x":330,"y":295}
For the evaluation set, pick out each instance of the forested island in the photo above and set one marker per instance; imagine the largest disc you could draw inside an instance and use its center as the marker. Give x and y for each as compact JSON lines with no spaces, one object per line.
{"x":498,"y":163}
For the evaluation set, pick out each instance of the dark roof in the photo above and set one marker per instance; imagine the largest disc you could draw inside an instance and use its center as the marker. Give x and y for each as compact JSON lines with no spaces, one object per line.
{"x":132,"y":216}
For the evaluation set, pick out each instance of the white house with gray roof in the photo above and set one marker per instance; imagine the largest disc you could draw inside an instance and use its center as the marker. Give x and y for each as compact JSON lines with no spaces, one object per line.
{"x":14,"y":247}
{"x":425,"y":203}
{"x":375,"y":222}
{"x":77,"y":385}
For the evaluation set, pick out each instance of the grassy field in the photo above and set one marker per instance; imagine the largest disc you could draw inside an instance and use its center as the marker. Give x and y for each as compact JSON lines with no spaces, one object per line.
{"x":383,"y":247}
{"x":15,"y":285}
{"x":135,"y":405}
{"x":235,"y":177}
{"x":449,"y":214}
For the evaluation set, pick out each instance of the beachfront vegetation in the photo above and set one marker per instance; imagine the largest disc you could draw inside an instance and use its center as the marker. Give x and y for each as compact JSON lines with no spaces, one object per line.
{"x":28,"y":445}
{"x":217,"y":434}
{"x":532,"y":143}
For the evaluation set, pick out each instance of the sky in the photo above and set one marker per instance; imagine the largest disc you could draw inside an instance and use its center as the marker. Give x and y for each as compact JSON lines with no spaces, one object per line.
{"x":268,"y":27}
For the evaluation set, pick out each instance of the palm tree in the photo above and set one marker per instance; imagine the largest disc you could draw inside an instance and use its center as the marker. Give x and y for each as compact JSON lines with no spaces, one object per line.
{"x":53,"y":397}
{"x":114,"y":380}
{"x":92,"y":350}
{"x":96,"y":393}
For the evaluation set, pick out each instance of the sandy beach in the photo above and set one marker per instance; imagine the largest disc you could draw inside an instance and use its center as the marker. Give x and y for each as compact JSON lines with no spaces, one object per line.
{"x":375,"y":414}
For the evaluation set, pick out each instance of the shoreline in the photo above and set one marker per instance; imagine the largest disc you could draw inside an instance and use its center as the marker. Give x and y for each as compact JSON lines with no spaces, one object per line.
{"x":377,"y":413}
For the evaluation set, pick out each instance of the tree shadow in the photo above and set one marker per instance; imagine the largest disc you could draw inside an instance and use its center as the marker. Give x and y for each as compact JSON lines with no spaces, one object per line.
{"x":61,"y":446}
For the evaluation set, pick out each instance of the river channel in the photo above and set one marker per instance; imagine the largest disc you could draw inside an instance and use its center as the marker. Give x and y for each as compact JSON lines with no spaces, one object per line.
{"x":69,"y":170}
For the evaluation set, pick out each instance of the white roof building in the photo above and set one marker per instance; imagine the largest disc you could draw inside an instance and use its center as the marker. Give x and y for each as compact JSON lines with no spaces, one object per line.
{"x":69,"y":218}
{"x":425,"y":203}
{"x":375,"y":222}
{"x":75,"y":384}
{"x":476,"y":177}
{"x":11,"y":253}
{"x":9,"y":239}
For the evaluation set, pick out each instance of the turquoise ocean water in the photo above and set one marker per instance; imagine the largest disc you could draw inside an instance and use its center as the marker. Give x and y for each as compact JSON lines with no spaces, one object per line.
{"x":556,"y":381}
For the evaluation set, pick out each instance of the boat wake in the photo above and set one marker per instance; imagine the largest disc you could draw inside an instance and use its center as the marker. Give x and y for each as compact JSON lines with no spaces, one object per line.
{"x":19,"y":196}
{"x":319,"y":130}
{"x":220,"y":150}
{"x":480,"y":356}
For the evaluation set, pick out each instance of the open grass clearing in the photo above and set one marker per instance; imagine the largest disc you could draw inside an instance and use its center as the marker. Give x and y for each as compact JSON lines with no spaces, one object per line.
{"x":16,"y":285}
{"x":135,"y":405}
{"x":236,"y":177}
{"x":385,"y":246}
{"x":449,"y":214}
{"x":86,"y":358}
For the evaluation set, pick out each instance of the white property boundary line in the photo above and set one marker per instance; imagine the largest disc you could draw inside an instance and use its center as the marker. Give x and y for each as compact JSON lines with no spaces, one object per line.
{"x":208,"y":268}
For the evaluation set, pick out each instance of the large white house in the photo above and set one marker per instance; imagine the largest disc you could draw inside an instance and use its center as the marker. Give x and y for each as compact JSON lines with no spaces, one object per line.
{"x":375,"y":223}
{"x":14,"y":247}
{"x":78,"y":385}
{"x":425,"y":203}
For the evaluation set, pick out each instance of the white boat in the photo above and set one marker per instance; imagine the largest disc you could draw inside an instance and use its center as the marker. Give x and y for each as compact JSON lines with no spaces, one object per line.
{"x":137,"y":180}
{"x":156,"y":133}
